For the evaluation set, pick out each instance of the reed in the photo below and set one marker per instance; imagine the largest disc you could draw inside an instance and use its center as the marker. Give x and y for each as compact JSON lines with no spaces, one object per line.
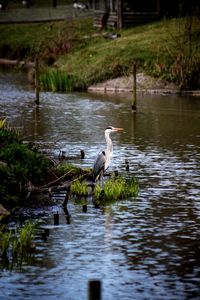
{"x":57,"y":81}
{"x":79,"y":189}
{"x":26,"y":237}
{"x":5,"y":238}
{"x":116,"y":189}
{"x":132,"y":187}
{"x":16,"y":245}
{"x":2,"y":123}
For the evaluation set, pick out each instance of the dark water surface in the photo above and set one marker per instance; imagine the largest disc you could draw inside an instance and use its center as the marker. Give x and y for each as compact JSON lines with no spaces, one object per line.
{"x":144,"y":248}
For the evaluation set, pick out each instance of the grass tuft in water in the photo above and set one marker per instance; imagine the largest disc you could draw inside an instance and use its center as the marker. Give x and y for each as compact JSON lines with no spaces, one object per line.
{"x":116,"y":189}
{"x":16,"y":245}
{"x":79,"y":189}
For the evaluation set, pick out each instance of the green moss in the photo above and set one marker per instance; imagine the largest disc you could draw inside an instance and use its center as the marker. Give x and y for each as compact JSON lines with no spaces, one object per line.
{"x":71,"y":172}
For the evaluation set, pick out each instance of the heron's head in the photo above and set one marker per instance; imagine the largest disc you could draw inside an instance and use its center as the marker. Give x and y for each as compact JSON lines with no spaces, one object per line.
{"x":113,"y":129}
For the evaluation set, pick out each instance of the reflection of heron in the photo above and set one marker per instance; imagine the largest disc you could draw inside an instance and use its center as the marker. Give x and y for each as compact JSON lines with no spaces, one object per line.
{"x":103,"y":159}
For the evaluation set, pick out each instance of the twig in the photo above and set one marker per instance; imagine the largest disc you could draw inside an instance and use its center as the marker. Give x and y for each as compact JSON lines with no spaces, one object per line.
{"x":54,"y":181}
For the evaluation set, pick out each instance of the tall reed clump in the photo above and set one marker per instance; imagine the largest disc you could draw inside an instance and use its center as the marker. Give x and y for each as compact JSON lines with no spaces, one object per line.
{"x":116,"y":189}
{"x":57,"y":81}
{"x":16,"y":245}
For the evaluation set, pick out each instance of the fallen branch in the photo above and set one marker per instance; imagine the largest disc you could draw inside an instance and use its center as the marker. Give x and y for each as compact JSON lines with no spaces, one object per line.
{"x":48,"y":188}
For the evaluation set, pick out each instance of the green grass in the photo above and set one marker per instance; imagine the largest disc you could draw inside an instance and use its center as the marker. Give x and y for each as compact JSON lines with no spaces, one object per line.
{"x":56,"y":80}
{"x":115,"y":189}
{"x":79,"y":189}
{"x":162,"y":49}
{"x":154,"y":47}
{"x":16,"y":245}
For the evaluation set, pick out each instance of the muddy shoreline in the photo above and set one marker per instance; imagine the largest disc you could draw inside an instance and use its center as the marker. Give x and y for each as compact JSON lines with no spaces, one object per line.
{"x":124,"y":84}
{"x":145,"y":85}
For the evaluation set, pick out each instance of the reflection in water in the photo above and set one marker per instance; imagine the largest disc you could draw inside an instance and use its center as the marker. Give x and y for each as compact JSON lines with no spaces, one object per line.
{"x":144,"y":248}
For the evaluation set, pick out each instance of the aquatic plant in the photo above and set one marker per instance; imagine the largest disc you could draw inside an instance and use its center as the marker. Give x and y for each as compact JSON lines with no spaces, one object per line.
{"x":5,"y":238}
{"x":26,"y":236}
{"x":79,"y":189}
{"x":57,"y":81}
{"x":2,"y":123}
{"x":116,"y":189}
{"x":16,"y":245}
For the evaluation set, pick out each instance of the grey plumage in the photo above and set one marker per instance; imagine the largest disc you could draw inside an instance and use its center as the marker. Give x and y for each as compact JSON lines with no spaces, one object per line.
{"x":103,"y":159}
{"x":99,"y":164}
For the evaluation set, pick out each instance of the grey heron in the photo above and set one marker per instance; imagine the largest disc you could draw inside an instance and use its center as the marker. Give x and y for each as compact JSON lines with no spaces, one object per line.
{"x":103,"y":159}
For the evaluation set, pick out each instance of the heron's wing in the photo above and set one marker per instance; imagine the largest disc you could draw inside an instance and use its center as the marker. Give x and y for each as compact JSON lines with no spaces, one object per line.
{"x":99,"y":164}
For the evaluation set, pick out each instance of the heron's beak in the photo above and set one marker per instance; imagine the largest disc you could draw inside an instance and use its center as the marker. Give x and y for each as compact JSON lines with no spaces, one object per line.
{"x":118,"y":129}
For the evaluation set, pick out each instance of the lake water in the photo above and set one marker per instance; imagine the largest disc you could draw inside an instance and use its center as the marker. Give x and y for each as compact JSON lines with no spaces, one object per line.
{"x":144,"y":248}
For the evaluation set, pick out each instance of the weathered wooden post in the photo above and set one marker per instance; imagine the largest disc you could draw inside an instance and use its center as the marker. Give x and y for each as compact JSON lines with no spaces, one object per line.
{"x":82,"y":154}
{"x":94,"y":290}
{"x":127,"y":165}
{"x":56,"y":219}
{"x":134,"y":98}
{"x":68,"y":190}
{"x":119,"y":14}
{"x":37,"y":87}
{"x":54,"y":3}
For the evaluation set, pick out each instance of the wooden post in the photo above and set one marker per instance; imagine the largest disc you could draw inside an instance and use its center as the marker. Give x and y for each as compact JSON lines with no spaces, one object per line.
{"x":127,"y":165}
{"x":56,"y":219}
{"x":82,"y":154}
{"x":54,"y":3}
{"x":134,"y":100}
{"x":119,"y":14}
{"x":94,"y":290}
{"x":37,"y":88}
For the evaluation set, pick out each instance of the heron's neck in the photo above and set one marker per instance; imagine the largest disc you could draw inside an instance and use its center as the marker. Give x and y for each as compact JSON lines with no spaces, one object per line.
{"x":109,"y":142}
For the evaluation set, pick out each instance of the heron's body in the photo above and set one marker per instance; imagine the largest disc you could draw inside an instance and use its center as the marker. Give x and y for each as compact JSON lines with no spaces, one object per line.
{"x":103,"y":159}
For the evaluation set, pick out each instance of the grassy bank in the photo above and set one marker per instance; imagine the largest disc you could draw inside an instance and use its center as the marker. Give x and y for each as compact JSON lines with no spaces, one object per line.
{"x":168,"y":49}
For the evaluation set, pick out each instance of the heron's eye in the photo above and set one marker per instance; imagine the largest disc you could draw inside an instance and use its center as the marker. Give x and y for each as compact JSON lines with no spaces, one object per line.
{"x":109,"y":127}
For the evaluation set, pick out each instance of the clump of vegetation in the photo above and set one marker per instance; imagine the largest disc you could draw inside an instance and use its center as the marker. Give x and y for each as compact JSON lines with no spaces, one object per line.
{"x":58,"y":80}
{"x":16,"y":245}
{"x":116,"y":189}
{"x":21,"y":165}
{"x":179,"y":61}
{"x":112,"y":190}
{"x":79,"y":189}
